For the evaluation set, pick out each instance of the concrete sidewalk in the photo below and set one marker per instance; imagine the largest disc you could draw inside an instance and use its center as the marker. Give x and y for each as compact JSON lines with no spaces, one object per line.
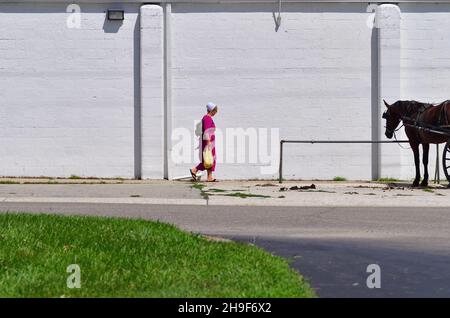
{"x":232,"y":193}
{"x":329,"y":194}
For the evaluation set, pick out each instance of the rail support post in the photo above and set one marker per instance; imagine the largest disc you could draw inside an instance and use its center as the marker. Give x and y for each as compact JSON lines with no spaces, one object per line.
{"x":280,"y":170}
{"x":437,"y":177}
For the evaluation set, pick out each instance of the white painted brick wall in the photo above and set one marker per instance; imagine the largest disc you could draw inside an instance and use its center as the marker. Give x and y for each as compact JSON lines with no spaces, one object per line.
{"x":388,"y":23}
{"x":66,"y":95}
{"x":152,"y":90}
{"x":425,"y":62}
{"x":311,"y":79}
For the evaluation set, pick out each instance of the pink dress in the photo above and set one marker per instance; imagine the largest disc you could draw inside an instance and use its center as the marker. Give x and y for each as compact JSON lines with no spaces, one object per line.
{"x":208,"y":130}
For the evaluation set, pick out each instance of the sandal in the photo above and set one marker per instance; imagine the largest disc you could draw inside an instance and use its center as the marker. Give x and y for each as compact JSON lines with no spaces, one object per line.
{"x":213,"y":180}
{"x":194,"y":176}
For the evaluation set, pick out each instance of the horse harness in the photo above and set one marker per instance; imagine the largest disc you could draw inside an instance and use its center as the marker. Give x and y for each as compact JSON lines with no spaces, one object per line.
{"x":417,"y":121}
{"x":443,"y":118}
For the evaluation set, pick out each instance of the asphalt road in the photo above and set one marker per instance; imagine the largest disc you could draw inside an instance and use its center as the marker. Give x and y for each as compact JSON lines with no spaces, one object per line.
{"x":331,"y":247}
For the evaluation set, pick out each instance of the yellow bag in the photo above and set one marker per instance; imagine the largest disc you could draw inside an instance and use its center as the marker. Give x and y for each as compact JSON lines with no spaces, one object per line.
{"x":208,"y":159}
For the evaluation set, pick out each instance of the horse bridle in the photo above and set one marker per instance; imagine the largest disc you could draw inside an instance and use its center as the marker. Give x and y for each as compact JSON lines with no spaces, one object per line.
{"x":393,"y":131}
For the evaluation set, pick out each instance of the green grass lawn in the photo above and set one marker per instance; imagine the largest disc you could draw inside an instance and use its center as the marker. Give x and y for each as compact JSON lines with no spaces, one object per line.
{"x":133,"y":258}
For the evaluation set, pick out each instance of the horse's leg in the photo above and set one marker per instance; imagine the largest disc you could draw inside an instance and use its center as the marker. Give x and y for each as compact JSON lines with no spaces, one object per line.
{"x":426,"y":150}
{"x":415,"y":149}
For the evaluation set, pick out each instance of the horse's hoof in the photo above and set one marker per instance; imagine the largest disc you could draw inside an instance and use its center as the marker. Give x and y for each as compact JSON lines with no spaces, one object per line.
{"x":415,"y":184}
{"x":424,"y":184}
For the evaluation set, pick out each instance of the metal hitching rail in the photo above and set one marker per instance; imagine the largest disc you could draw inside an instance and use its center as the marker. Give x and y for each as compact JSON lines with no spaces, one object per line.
{"x":280,"y":171}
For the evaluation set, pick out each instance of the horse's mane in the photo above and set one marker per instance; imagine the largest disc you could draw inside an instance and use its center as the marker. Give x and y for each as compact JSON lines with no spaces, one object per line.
{"x":410,"y":107}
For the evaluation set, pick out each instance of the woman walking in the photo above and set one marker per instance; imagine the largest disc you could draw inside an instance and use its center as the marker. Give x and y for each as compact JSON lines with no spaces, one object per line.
{"x":208,"y":140}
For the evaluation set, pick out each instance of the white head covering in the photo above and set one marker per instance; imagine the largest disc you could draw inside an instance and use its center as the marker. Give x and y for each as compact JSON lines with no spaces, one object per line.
{"x":210,"y":106}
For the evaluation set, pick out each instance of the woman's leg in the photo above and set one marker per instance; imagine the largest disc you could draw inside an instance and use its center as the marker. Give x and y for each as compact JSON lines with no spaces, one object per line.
{"x":196,"y":169}
{"x":199,"y":167}
{"x":210,"y":175}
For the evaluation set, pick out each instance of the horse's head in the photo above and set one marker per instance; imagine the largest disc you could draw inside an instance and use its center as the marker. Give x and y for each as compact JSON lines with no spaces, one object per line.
{"x":392,"y":117}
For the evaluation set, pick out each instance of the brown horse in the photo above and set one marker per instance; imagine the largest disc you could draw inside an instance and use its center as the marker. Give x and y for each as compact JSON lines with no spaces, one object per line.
{"x":413,"y":113}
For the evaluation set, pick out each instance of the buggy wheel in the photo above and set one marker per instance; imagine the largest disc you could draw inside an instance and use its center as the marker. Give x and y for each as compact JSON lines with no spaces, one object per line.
{"x":446,"y":160}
